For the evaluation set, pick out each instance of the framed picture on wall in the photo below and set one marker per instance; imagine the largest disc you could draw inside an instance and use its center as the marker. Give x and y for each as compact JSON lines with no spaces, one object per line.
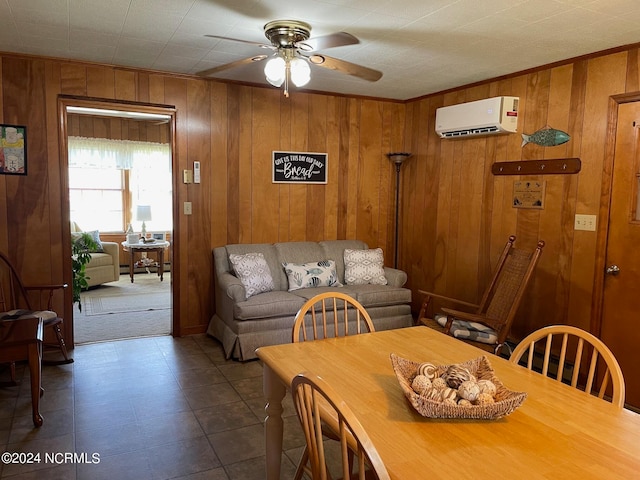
{"x":13,"y":150}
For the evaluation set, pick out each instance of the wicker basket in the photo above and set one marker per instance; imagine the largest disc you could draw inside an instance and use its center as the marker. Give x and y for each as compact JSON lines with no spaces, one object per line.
{"x":506,"y":401}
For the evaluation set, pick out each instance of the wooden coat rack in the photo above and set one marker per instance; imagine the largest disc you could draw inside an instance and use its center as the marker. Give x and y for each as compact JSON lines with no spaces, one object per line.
{"x":557,"y":166}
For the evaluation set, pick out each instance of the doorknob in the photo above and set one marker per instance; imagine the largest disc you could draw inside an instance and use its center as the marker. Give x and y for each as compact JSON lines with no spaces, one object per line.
{"x":613,"y":270}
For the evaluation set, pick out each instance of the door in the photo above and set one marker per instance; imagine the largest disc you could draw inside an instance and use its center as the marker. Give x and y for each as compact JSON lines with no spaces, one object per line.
{"x":621,"y":312}
{"x":154,"y":114}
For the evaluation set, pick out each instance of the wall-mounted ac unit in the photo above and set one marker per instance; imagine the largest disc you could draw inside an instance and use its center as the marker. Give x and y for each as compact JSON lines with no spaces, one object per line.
{"x":482,"y":117}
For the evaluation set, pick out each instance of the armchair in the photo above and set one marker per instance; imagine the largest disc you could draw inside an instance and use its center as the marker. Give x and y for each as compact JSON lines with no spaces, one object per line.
{"x":104,"y":265}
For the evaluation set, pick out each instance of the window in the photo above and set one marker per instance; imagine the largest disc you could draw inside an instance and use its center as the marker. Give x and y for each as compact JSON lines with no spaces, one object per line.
{"x":108,"y":179}
{"x":96,"y":198}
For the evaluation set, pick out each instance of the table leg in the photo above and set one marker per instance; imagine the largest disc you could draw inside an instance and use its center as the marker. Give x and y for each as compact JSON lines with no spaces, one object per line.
{"x":35,"y":370}
{"x":161,"y":263}
{"x":131,"y":255}
{"x":274,"y":392}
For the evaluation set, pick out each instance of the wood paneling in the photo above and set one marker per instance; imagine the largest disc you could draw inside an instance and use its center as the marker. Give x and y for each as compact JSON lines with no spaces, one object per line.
{"x":471,"y":209}
{"x":232,"y":131}
{"x":455,"y":216}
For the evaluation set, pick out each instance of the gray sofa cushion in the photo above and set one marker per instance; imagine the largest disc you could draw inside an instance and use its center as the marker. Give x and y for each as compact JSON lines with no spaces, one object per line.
{"x":379,"y":295}
{"x":268,"y":305}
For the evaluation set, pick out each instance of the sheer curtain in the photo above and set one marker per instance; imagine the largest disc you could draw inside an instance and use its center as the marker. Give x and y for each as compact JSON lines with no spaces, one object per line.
{"x":149,"y":166}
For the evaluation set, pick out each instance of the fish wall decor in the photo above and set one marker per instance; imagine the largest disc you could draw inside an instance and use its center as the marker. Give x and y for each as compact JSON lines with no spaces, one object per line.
{"x":546,"y":137}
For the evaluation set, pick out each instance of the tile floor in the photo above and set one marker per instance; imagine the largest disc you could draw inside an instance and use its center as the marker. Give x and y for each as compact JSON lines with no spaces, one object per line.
{"x":150,"y":408}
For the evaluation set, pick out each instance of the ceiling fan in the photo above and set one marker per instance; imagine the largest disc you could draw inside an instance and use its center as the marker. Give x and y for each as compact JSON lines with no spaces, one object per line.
{"x":294,"y":52}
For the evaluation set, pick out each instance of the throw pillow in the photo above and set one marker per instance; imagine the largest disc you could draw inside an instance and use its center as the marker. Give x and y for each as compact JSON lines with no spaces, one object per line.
{"x":253,"y":272}
{"x":364,"y":266}
{"x":77,"y":237}
{"x":312,"y":274}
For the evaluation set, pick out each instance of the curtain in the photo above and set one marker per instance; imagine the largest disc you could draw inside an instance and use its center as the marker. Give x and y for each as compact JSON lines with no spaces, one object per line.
{"x":119,"y":154}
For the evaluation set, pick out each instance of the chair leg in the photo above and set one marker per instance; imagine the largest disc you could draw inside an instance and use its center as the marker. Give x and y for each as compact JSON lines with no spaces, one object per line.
{"x":63,"y":348}
{"x":302,"y":464}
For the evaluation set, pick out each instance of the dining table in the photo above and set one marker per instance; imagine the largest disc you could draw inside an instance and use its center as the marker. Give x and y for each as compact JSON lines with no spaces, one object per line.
{"x":558,"y":432}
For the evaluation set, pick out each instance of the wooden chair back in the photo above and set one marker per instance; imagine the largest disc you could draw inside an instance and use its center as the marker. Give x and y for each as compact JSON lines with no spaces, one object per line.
{"x":330,"y":314}
{"x":503,"y":296}
{"x":29,"y":300}
{"x":577,"y":349}
{"x":316,"y":403}
{"x":13,"y":294}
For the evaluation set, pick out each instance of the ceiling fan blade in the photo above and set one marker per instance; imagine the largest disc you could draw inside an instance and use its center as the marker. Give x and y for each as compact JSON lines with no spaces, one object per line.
{"x":343,"y":66}
{"x":257,"y":44}
{"x":327,"y":41}
{"x":227,"y":66}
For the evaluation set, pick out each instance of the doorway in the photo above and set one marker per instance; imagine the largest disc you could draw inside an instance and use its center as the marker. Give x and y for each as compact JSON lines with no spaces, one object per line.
{"x":135,"y":127}
{"x":622,"y":258}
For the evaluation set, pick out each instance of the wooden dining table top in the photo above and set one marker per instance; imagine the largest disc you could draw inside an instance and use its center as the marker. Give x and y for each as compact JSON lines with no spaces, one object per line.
{"x":557,"y":433}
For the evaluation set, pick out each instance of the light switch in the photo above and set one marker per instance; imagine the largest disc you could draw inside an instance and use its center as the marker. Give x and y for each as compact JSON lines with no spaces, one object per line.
{"x":196,"y":172}
{"x":187,"y":176}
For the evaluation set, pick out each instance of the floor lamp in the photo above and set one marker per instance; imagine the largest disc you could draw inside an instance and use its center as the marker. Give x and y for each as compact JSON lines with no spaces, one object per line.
{"x":397,"y":158}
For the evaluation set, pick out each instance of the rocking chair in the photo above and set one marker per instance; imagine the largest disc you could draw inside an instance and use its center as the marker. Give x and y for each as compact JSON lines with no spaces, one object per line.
{"x":17,"y":301}
{"x":489,"y":324}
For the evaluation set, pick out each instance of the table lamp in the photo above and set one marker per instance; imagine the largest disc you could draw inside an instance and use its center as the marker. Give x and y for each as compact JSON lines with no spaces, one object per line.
{"x":143,"y":213}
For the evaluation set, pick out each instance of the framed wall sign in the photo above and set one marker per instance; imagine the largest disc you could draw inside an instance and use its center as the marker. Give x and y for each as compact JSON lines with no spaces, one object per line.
{"x":299,"y":167}
{"x":528,"y":194}
{"x":13,"y":150}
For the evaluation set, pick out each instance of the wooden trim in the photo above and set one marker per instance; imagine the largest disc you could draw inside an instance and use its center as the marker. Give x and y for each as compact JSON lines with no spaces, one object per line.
{"x":77,"y":101}
{"x":597,"y":302}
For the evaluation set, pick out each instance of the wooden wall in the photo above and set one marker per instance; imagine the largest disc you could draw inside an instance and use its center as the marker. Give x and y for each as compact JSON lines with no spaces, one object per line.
{"x":232,"y":130}
{"x":455,"y":215}
{"x":465,"y":212}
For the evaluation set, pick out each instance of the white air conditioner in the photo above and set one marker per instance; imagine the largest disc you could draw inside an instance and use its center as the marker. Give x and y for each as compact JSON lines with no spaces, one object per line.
{"x":482,"y":117}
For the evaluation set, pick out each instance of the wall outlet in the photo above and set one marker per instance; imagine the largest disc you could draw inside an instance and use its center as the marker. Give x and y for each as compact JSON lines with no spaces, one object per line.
{"x":187,"y":208}
{"x":585,"y":222}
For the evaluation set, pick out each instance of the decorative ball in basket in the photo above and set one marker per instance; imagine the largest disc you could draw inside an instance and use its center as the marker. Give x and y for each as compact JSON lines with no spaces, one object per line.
{"x":463,"y":390}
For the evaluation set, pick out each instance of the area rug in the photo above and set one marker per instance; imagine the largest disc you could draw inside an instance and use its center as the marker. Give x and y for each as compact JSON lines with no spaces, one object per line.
{"x":135,"y":302}
{"x":121,"y":310}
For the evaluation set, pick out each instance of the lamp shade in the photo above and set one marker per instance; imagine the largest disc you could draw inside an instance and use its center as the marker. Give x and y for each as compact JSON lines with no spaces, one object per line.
{"x":300,"y":72}
{"x":143,"y":213}
{"x":274,"y":70}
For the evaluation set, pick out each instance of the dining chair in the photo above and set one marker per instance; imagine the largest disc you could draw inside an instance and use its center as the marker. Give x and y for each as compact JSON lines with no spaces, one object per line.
{"x":488,"y":323}
{"x":584,"y":347}
{"x":18,"y":300}
{"x":330,"y":314}
{"x":326,"y":315}
{"x":317,"y":403}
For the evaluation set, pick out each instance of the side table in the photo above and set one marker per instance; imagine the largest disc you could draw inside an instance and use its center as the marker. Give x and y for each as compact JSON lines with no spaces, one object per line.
{"x":156,"y":246}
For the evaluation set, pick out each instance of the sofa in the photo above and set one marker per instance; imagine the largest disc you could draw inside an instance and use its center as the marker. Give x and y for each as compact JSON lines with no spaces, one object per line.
{"x":104,"y":266}
{"x":247,"y":317}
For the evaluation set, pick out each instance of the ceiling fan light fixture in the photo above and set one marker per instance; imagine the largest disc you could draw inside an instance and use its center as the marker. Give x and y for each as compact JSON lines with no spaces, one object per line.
{"x":275,"y":71}
{"x":300,"y":71}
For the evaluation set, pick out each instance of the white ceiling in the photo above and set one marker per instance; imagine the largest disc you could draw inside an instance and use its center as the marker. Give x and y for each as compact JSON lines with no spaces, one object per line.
{"x":421,"y":46}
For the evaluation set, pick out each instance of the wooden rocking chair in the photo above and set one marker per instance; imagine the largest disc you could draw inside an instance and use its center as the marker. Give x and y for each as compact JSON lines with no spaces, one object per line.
{"x":18,"y":301}
{"x":489,"y":324}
